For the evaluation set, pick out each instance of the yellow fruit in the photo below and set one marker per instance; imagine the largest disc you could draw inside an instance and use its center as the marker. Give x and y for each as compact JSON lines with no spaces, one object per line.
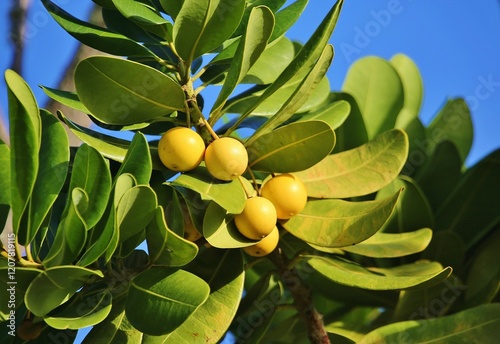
{"x":226,"y":158}
{"x":29,"y":330}
{"x":181,"y":149}
{"x":265,"y":246}
{"x":190,"y":231}
{"x":257,"y":219}
{"x":287,"y":193}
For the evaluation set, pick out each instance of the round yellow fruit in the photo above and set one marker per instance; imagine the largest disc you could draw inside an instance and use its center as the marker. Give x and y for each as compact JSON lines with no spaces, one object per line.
{"x":287,"y":193}
{"x":29,"y":330}
{"x":257,"y":219}
{"x":265,"y":246}
{"x":226,"y":158}
{"x":181,"y":149}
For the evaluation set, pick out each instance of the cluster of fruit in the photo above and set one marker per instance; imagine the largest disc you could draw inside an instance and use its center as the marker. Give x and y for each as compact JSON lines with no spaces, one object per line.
{"x":281,"y":197}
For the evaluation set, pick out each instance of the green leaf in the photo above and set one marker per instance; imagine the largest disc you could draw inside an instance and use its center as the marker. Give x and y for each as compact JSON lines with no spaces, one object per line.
{"x":404,"y":277}
{"x":121,"y":92}
{"x":90,"y":172}
{"x":251,"y":46}
{"x":469,"y":205}
{"x":135,"y":210}
{"x":452,"y":123}
{"x":25,"y":140}
{"x":137,"y":162}
{"x":293,"y":147}
{"x":66,"y":98}
{"x":359,"y":171}
{"x":219,"y":229}
{"x":109,"y":146}
{"x":387,"y":245}
{"x":412,"y":211}
{"x":224,"y":273}
{"x":4,"y":183}
{"x":413,"y":89}
{"x":483,"y":276}
{"x":86,"y":311}
{"x":440,"y":174}
{"x":22,"y":279}
{"x":71,"y":233}
{"x":476,"y":325}
{"x":305,"y":60}
{"x":201,"y":26}
{"x":447,"y":248}
{"x":299,"y":96}
{"x":334,"y":112}
{"x":379,"y":106}
{"x":166,"y":247}
{"x":171,"y":296}
{"x":54,"y":286}
{"x":286,"y":17}
{"x":338,"y":223}
{"x":352,"y":133}
{"x":172,"y":7}
{"x":54,"y":160}
{"x":231,"y":195}
{"x":95,"y":36}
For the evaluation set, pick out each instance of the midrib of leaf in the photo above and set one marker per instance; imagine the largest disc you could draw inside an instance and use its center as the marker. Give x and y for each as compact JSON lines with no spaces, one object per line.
{"x":161,"y":296}
{"x":360,"y":214}
{"x":202,"y":31}
{"x":359,"y":166}
{"x":265,"y":156}
{"x":437,"y":340}
{"x":131,"y":91}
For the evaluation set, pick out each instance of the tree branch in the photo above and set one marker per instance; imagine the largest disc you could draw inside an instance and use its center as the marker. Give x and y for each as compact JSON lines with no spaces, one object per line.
{"x":302,"y":298}
{"x":17,"y":15}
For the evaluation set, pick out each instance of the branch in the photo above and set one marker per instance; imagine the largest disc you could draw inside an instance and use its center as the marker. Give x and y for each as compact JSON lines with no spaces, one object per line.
{"x":17,"y":29}
{"x":302,"y":299}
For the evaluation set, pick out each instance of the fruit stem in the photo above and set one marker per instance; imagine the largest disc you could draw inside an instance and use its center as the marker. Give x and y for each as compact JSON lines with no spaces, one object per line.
{"x":240,"y":178}
{"x":302,"y":298}
{"x":254,"y":181}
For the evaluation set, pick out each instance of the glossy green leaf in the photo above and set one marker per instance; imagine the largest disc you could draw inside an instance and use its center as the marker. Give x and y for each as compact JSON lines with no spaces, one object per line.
{"x":251,"y":46}
{"x":387,"y":245}
{"x":94,"y":36}
{"x":144,"y":16}
{"x":166,"y":247}
{"x":224,"y":273}
{"x":25,"y":139}
{"x":305,"y":59}
{"x":66,"y":98}
{"x":54,"y":286}
{"x":54,"y":158}
{"x":412,"y":211}
{"x":121,"y":92}
{"x":413,"y":89}
{"x":219,"y":229}
{"x":137,"y":162}
{"x":112,"y":328}
{"x":86,"y":311}
{"x":333,"y":112}
{"x":338,"y":223}
{"x":287,"y":16}
{"x":134,"y":211}
{"x":4,"y":183}
{"x":71,"y":233}
{"x":90,"y":172}
{"x":299,"y":96}
{"x":483,"y":275}
{"x":447,"y":248}
{"x":172,"y":7}
{"x":293,"y":147}
{"x":469,"y":205}
{"x":379,"y":105}
{"x":452,"y":123}
{"x":172,"y":297}
{"x":201,"y":26}
{"x":109,"y":146}
{"x":475,"y":325}
{"x":359,"y":171}
{"x":20,"y":278}
{"x":352,"y":133}
{"x":411,"y":276}
{"x":440,"y":173}
{"x":231,"y":195}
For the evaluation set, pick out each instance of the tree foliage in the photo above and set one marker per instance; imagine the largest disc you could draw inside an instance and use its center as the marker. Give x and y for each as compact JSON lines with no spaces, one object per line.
{"x":396,"y":242}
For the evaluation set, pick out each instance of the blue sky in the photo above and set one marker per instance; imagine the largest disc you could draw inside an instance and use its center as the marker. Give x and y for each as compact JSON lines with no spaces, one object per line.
{"x":456,"y":46}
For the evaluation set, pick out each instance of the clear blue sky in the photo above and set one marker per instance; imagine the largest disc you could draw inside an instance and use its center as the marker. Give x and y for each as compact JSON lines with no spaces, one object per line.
{"x":455,"y":44}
